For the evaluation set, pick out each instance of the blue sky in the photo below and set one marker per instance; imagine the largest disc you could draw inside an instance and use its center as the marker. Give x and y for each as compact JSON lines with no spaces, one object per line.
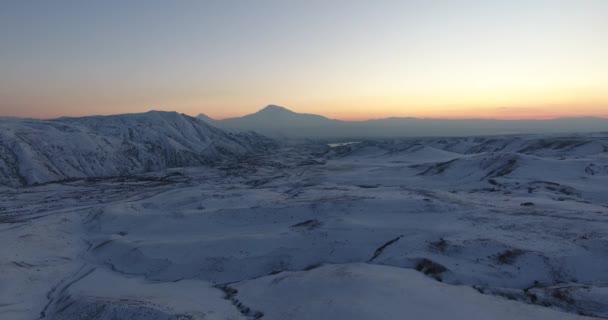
{"x":344,"y":59}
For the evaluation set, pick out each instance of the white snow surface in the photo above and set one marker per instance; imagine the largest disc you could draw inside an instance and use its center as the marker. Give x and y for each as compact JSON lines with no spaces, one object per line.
{"x":363,"y":291}
{"x":512,"y":227}
{"x":40,"y":151}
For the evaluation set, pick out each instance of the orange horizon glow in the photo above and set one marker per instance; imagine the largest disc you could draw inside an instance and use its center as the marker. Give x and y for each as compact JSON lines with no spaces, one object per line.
{"x":363,"y":60}
{"x":487,"y":116}
{"x":479,"y":113}
{"x":463,"y":103}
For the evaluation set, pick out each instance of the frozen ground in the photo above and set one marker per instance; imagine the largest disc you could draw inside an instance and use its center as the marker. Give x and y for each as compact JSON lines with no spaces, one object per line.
{"x":460,"y":228}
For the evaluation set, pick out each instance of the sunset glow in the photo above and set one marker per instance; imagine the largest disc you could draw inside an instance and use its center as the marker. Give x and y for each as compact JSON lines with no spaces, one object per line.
{"x":350,"y":60}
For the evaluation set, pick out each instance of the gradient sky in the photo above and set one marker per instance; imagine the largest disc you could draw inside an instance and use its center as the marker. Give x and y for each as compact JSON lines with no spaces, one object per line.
{"x":343,"y":59}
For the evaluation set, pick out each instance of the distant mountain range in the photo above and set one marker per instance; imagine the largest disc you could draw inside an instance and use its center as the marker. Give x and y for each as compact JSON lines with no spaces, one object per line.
{"x":38,"y":151}
{"x":276,"y":121}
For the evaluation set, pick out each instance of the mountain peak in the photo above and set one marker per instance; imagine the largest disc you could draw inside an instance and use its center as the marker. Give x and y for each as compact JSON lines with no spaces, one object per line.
{"x":275,"y":109}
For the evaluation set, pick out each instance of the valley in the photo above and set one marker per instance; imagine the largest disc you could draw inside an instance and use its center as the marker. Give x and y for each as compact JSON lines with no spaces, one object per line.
{"x":477,"y":228}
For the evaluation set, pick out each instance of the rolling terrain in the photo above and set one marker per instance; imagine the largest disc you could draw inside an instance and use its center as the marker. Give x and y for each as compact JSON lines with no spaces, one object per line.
{"x":511,"y":227}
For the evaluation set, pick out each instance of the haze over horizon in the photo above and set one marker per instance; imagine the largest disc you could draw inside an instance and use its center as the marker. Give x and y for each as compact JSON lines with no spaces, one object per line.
{"x":347,"y":60}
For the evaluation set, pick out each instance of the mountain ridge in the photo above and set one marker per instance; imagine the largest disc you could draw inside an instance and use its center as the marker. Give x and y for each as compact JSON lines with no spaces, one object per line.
{"x":40,"y":151}
{"x":273,"y":108}
{"x":279,"y":121}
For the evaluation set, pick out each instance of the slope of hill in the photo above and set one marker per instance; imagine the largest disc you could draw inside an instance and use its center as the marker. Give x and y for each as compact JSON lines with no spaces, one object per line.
{"x":38,"y":151}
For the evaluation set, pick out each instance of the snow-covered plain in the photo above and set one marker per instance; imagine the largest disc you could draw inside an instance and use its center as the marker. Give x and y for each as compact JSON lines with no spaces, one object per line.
{"x":511,"y":227}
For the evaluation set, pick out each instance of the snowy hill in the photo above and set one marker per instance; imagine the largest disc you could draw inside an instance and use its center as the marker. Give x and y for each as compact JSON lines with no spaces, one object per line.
{"x":38,"y":151}
{"x":281,"y":122}
{"x":503,"y":227}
